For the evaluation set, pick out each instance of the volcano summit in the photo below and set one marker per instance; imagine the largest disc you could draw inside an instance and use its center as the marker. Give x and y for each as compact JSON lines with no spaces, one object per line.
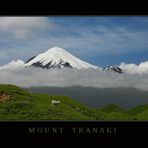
{"x":58,"y":58}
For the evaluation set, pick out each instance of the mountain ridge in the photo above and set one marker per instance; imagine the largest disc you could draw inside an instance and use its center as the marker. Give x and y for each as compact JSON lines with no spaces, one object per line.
{"x":57,"y":58}
{"x":25,"y":105}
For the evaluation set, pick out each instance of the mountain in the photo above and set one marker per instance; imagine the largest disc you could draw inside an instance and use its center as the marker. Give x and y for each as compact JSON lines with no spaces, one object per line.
{"x":19,"y":104}
{"x":57,"y":58}
{"x":115,"y":69}
{"x":98,"y":97}
{"x":112,"y":108}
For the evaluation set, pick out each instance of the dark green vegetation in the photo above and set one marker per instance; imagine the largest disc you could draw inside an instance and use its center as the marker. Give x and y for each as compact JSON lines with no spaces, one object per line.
{"x":19,"y":104}
{"x":99,"y":97}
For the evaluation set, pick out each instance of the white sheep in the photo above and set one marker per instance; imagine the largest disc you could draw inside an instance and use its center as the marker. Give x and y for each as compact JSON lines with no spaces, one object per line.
{"x":77,"y":109}
{"x":54,"y":102}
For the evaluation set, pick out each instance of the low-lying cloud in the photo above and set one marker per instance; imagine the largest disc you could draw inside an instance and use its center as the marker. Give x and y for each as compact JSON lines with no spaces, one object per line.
{"x":14,"y":65}
{"x":140,"y":69}
{"x":27,"y":77}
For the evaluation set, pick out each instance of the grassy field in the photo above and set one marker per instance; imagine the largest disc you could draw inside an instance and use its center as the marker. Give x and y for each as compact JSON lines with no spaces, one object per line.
{"x":19,"y":104}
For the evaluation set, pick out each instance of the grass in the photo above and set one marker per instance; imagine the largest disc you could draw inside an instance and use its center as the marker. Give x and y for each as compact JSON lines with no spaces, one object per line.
{"x":112,"y":108}
{"x":24,"y":105}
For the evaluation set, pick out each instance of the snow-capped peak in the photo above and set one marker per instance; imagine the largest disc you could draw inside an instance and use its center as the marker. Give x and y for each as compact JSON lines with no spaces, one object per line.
{"x":55,"y":49}
{"x":115,"y":68}
{"x":59,"y":58}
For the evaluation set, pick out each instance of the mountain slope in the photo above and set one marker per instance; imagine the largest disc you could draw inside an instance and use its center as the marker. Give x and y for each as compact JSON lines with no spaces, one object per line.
{"x":138,"y":109}
{"x":57,"y":58}
{"x":20,"y":104}
{"x":99,"y":97}
{"x":24,"y":105}
{"x":115,"y":69}
{"x":112,"y":108}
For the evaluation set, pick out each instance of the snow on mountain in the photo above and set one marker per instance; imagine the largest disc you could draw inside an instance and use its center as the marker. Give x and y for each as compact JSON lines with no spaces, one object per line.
{"x":13,"y":65}
{"x":115,"y":69}
{"x":58,"y":58}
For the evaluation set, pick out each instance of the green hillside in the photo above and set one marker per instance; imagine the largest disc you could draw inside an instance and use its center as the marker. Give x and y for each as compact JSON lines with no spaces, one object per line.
{"x":119,"y":116}
{"x":112,"y":108}
{"x":143,"y":115}
{"x":138,"y":109}
{"x":19,"y":104}
{"x":24,"y":105}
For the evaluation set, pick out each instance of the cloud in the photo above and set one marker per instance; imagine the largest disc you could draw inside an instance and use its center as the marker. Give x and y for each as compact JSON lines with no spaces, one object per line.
{"x":13,"y":65}
{"x":140,"y":69}
{"x":71,"y":77}
{"x":24,"y":37}
{"x":23,"y":27}
{"x":96,"y":40}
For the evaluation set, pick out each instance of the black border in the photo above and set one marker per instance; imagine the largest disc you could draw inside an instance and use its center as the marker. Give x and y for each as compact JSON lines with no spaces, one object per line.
{"x":127,"y":131}
{"x":74,"y":8}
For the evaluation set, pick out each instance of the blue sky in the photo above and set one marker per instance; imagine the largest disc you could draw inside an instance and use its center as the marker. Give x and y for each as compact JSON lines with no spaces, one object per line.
{"x":100,"y":40}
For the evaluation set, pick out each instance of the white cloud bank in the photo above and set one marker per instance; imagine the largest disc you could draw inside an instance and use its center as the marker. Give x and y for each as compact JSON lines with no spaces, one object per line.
{"x":18,"y":64}
{"x":141,"y":69}
{"x":27,"y":77}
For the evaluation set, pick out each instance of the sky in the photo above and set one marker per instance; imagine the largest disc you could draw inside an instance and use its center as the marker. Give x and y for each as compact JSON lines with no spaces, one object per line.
{"x":99,"y":40}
